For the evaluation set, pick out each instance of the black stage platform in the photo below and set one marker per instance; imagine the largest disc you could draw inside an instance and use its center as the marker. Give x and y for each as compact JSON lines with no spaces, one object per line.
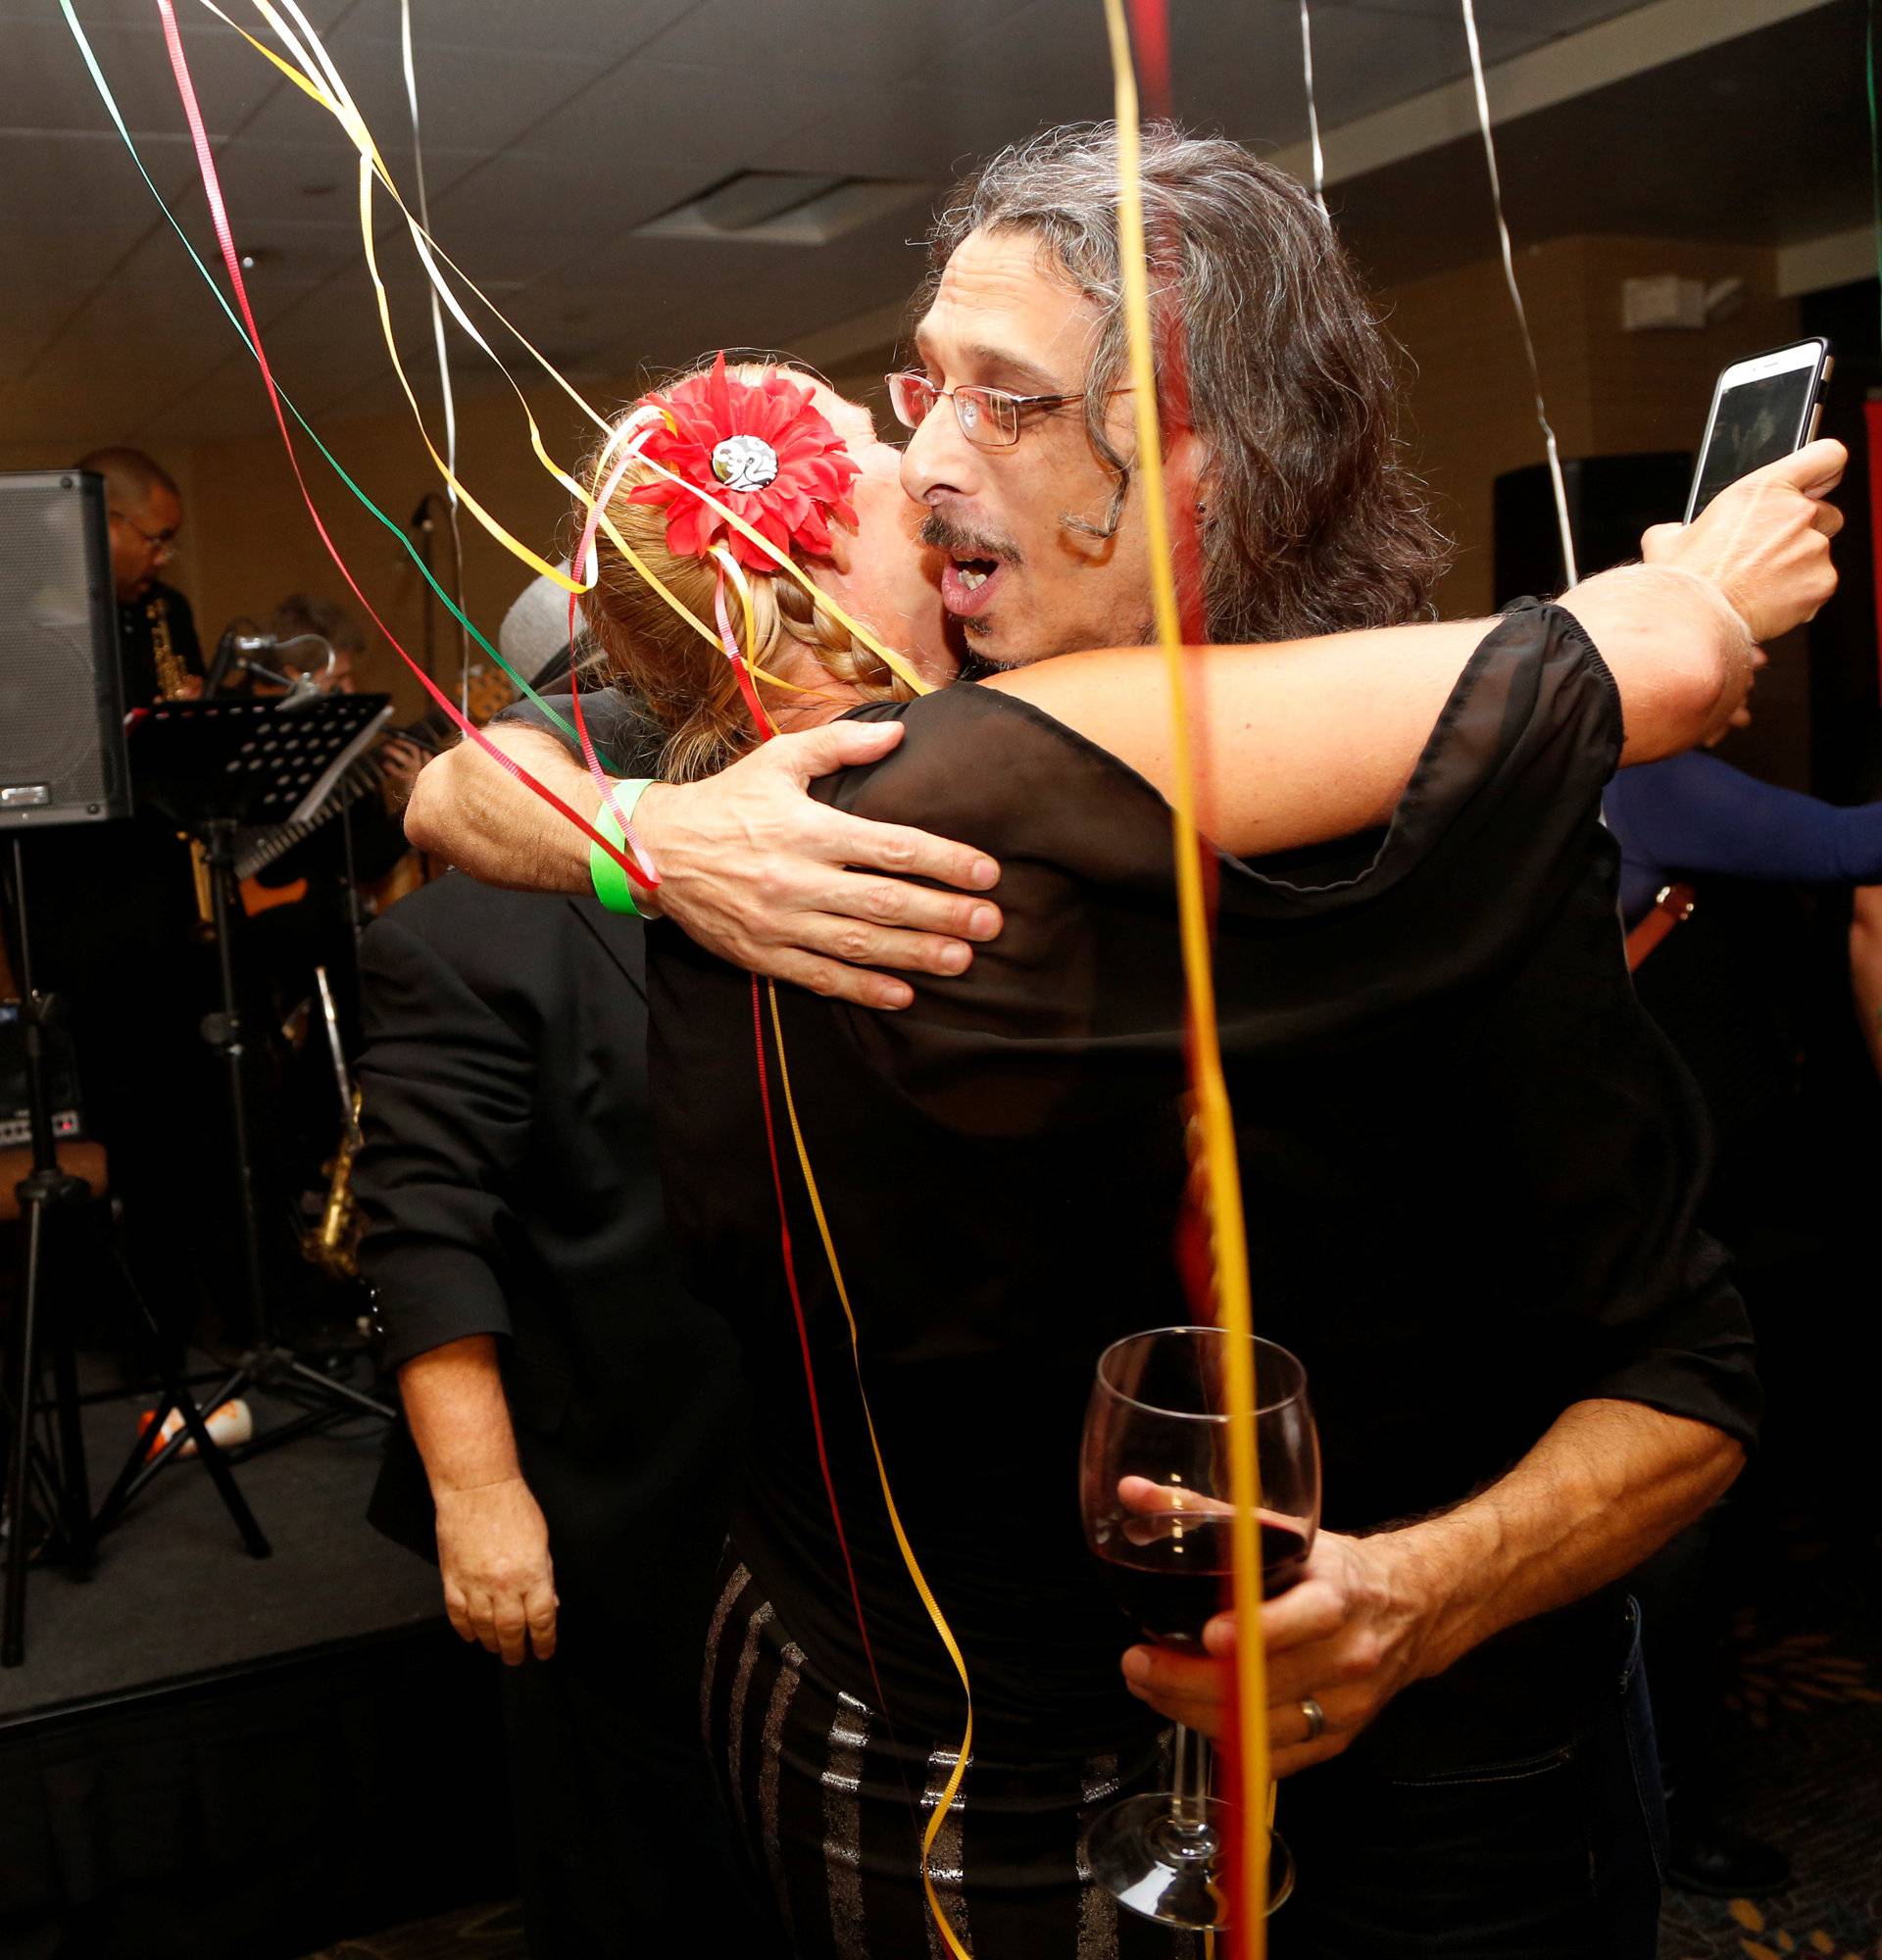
{"x":210,"y":1755}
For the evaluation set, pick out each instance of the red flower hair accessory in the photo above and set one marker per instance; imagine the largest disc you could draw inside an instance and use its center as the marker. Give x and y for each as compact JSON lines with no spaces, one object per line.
{"x":763,"y":451}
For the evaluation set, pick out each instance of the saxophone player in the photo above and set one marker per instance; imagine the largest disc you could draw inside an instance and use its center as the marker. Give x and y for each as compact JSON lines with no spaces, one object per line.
{"x":156,"y":630}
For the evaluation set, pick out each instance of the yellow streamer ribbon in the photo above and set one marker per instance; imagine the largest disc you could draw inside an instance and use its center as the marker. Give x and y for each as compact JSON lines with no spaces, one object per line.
{"x":1222,"y":1173}
{"x":336,"y":100}
{"x":952,"y":1788}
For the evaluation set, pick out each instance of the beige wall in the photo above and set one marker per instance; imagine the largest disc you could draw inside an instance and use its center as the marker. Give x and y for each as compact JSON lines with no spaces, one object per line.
{"x":1609,"y":392}
{"x":247,"y":540}
{"x":255,"y":543}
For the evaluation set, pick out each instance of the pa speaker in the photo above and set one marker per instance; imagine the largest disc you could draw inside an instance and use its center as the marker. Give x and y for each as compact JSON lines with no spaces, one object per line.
{"x":1612,"y":499}
{"x":62,"y":706}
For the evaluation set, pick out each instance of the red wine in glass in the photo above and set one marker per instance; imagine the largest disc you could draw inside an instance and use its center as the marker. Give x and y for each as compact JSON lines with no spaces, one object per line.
{"x":1154,"y":1483}
{"x":1169,"y":1570}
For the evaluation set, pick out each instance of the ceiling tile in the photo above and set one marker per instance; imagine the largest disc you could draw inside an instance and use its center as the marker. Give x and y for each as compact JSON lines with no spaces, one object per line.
{"x":570,"y":196}
{"x":45,"y":179}
{"x":913,"y":129}
{"x":719,"y":120}
{"x":591,"y":28}
{"x":264,"y":183}
{"x":858,"y":40}
{"x":143,"y":13}
{"x":54,"y":91}
{"x":467,"y":97}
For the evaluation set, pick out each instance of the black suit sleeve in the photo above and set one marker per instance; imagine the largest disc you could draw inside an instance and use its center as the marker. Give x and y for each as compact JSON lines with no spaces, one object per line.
{"x":446,"y":1110}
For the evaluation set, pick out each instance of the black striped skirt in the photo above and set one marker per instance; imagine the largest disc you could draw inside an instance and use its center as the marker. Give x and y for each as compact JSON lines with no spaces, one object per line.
{"x":831,"y":1808}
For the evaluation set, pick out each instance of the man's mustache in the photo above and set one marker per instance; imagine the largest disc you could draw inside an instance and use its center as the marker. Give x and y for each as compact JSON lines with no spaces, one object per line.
{"x":943,"y":535}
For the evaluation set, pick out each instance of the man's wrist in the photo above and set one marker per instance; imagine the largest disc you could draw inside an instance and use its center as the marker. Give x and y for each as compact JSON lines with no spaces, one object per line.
{"x":1440,"y":1574}
{"x":656,"y":802}
{"x":473,"y":1485}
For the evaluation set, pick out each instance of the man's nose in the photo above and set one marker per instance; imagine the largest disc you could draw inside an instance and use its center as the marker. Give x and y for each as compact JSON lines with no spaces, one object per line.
{"x":938,"y":460}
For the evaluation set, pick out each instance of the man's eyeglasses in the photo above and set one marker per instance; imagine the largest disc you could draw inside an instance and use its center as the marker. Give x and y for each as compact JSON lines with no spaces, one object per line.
{"x":989,"y":417}
{"x":161,"y":543}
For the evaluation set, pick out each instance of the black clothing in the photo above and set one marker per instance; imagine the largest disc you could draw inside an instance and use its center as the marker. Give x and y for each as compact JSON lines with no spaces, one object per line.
{"x":830,"y":1800}
{"x":1470,"y":1166}
{"x":137,"y":641}
{"x":507,"y":1183}
{"x":1554,"y":1854}
{"x":622,"y":1850}
{"x":1561,"y":1864}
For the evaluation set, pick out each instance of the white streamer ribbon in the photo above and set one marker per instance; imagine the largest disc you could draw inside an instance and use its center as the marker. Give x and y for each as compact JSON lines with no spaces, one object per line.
{"x":1556,"y":483}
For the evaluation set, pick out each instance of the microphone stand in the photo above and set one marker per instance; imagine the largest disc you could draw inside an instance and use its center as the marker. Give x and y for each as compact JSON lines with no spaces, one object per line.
{"x":422,"y":525}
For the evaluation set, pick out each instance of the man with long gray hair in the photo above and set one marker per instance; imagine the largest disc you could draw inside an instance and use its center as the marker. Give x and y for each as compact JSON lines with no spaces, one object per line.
{"x":1529,"y":1370}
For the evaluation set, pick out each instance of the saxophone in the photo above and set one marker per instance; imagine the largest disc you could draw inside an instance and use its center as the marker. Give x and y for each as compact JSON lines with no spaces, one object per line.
{"x":171,"y":672}
{"x":333,"y":1244}
{"x":171,"y":676}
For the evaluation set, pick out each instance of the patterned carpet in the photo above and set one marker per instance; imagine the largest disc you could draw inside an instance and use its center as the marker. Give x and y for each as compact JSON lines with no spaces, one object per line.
{"x":477,"y":1933}
{"x":1802,"y":1752}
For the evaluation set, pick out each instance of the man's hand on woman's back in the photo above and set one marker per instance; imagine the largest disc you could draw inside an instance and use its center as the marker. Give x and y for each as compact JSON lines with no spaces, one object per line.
{"x":766,"y":876}
{"x":751,"y":865}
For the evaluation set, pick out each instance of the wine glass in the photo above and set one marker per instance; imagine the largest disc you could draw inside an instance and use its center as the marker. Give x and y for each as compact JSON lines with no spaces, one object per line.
{"x":1155,"y":1490}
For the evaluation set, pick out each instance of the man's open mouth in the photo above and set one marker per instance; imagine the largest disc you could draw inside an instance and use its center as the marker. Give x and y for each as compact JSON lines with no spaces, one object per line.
{"x":969,"y":584}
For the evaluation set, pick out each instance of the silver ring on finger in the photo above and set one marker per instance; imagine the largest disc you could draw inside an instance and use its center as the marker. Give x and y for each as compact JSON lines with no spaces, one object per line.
{"x":1315,"y":1718}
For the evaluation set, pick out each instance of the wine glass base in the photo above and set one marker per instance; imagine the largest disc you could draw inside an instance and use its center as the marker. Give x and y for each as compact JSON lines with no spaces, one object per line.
{"x":1167,"y":1865}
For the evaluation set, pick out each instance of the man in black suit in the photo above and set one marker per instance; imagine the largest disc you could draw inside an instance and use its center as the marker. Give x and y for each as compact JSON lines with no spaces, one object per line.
{"x":574,"y":1408}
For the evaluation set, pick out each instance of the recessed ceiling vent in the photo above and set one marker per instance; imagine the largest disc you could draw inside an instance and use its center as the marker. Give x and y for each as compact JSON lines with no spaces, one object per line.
{"x":782,"y":207}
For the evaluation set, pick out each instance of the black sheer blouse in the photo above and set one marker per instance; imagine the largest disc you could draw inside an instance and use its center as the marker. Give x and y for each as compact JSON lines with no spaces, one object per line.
{"x":1471,"y":1166}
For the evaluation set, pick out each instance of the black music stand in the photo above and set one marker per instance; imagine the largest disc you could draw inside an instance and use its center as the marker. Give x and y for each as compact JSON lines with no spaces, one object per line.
{"x":219,"y":766}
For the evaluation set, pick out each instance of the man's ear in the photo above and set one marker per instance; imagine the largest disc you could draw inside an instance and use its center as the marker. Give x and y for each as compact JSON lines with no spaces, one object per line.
{"x":1190,"y":465}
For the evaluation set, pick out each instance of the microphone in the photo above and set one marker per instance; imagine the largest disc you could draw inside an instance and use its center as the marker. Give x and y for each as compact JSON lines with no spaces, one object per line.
{"x":236,"y":650}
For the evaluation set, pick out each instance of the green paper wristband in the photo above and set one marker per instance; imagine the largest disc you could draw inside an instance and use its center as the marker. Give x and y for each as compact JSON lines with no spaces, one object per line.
{"x":613,"y":885}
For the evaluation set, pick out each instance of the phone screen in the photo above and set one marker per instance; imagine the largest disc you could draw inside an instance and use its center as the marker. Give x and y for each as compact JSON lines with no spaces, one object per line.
{"x":1757,"y":423}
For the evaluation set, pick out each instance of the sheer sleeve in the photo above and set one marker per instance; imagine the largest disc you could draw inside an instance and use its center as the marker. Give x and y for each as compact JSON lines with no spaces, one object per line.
{"x":1492,"y":832}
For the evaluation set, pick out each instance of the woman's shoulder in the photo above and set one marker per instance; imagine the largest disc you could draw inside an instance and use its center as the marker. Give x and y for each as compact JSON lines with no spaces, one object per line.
{"x":991,"y":767}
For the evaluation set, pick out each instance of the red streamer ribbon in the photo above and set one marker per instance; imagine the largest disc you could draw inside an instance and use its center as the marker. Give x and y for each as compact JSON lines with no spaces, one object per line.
{"x":232,"y":261}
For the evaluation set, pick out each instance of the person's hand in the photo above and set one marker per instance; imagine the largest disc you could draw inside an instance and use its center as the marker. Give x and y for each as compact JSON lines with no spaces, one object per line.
{"x":760,"y":873}
{"x":1348,"y":1636}
{"x":499,"y":1584}
{"x":189,"y":688}
{"x":1764,"y":541}
{"x":400,"y":761}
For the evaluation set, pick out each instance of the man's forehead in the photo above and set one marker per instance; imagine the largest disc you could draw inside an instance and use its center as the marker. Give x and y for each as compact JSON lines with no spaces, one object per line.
{"x":160,"y":507}
{"x":1001,"y":301}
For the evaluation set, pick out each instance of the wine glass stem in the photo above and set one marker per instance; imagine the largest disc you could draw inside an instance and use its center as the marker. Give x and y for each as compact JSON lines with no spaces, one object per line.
{"x":1189,"y":1778}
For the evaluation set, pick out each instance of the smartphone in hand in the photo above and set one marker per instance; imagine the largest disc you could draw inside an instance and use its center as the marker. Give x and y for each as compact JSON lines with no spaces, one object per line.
{"x":1763,"y":408}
